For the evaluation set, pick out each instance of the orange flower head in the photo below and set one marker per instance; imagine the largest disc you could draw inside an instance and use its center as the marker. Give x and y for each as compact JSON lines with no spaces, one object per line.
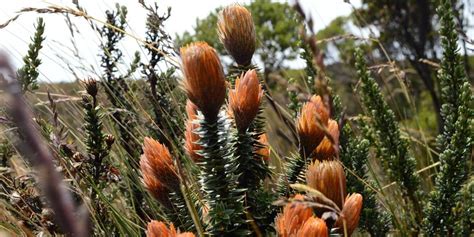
{"x":293,"y":217}
{"x":159,"y":173}
{"x":236,"y":31}
{"x":245,"y":99}
{"x":159,"y":229}
{"x":308,"y":127}
{"x":328,"y":177}
{"x":264,"y":151}
{"x":350,"y":213}
{"x":325,"y":149}
{"x":314,"y":226}
{"x":204,"y":80}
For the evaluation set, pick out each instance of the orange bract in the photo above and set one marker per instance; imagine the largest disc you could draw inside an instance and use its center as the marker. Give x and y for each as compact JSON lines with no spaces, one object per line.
{"x":313,"y":227}
{"x":159,"y":229}
{"x":245,"y":99}
{"x":265,"y":150}
{"x":159,"y":172}
{"x":236,"y":31}
{"x":309,"y":131}
{"x":328,"y":177}
{"x":204,"y":78}
{"x":350,"y":213}
{"x":293,"y":217}
{"x":326,"y":150}
{"x":191,"y":138}
{"x":191,"y":110}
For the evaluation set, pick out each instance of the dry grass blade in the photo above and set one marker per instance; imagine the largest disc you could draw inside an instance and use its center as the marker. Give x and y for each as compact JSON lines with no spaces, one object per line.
{"x":330,"y":204}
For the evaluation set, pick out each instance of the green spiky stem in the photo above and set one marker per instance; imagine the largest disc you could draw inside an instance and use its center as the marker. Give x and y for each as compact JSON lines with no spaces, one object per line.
{"x":117,"y":91}
{"x":457,"y":139}
{"x":394,"y":154}
{"x":219,"y":180}
{"x":310,"y":69}
{"x":28,"y":74}
{"x":254,"y":170}
{"x":97,"y":149}
{"x":252,"y":166}
{"x":464,"y":210}
{"x":294,"y":171}
{"x":354,"y":154}
{"x":179,"y":214}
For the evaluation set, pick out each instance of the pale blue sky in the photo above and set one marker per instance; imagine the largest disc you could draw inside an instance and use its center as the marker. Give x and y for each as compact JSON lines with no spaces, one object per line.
{"x":58,"y":50}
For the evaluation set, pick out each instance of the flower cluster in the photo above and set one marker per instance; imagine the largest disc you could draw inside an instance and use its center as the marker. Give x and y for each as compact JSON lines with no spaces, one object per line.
{"x":311,"y":123}
{"x":319,"y":142}
{"x":230,"y":148}
{"x":298,"y":220}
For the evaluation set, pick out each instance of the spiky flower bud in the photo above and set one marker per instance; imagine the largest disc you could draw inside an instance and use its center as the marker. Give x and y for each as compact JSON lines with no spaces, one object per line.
{"x":204,"y":78}
{"x":91,"y":87}
{"x":236,"y":31}
{"x":86,"y":102}
{"x":326,"y":149}
{"x":313,"y":227}
{"x":314,"y":114}
{"x":159,"y":173}
{"x":159,"y":229}
{"x":244,"y":100}
{"x":350,"y":214}
{"x":264,"y":151}
{"x":109,"y":140}
{"x":293,"y":217}
{"x":328,"y":177}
